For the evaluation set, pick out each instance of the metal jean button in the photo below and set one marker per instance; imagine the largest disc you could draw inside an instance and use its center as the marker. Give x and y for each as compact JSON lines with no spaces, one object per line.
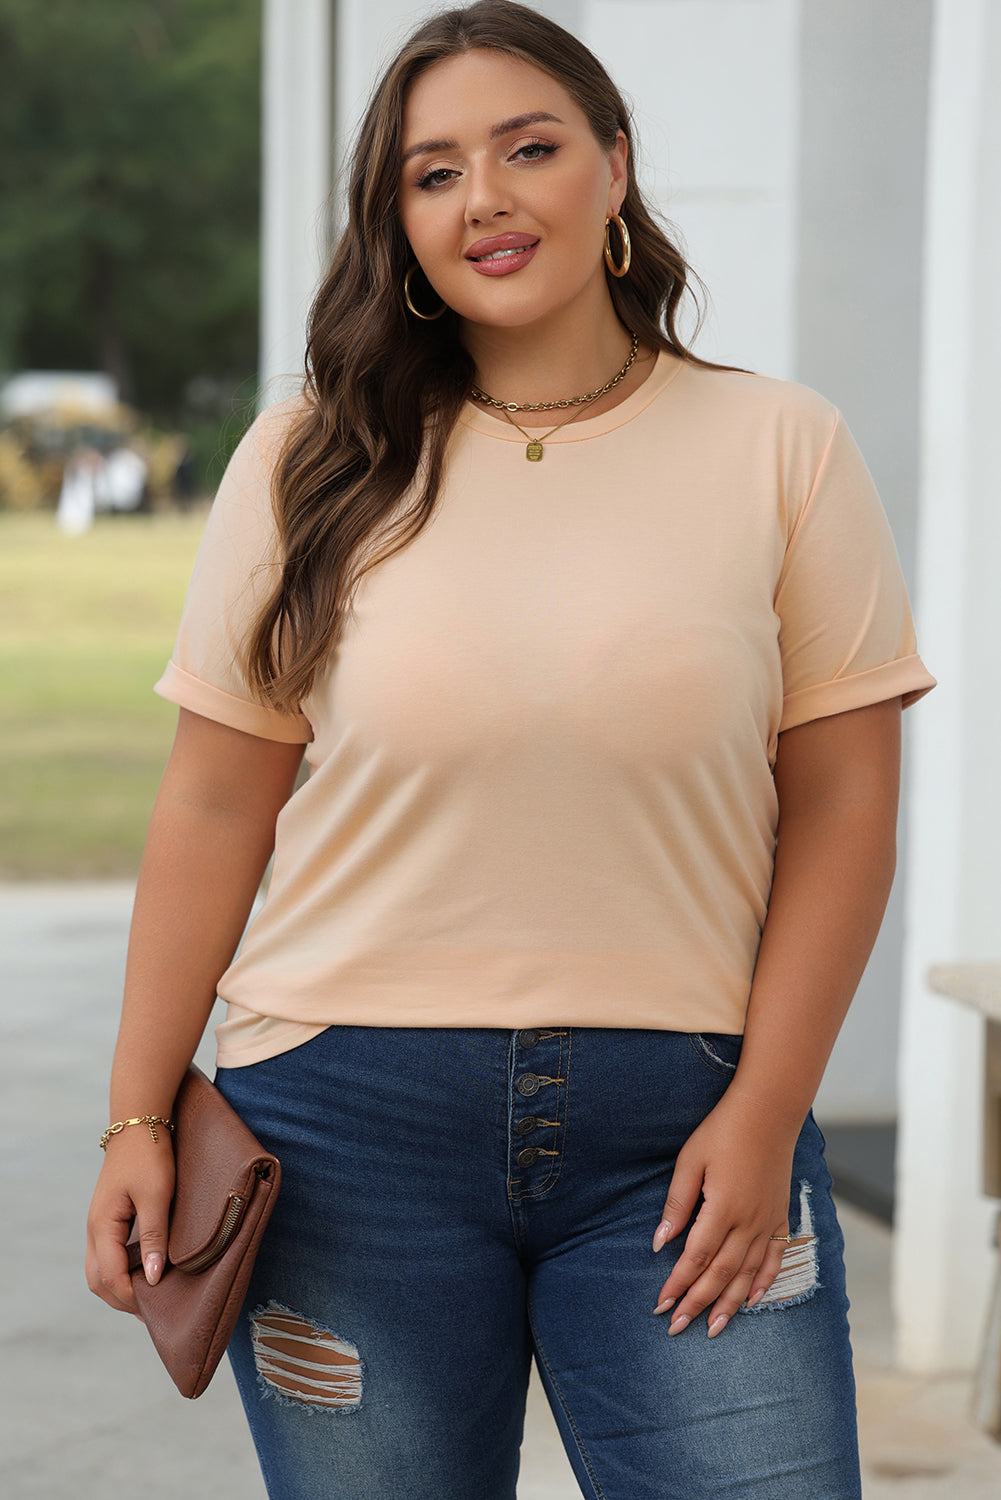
{"x":528,"y":1038}
{"x":528,"y":1084}
{"x":528,"y":1157}
{"x":527,"y":1125}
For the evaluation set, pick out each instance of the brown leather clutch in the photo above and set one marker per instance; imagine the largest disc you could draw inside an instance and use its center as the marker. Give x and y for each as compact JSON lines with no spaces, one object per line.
{"x":226,"y":1188}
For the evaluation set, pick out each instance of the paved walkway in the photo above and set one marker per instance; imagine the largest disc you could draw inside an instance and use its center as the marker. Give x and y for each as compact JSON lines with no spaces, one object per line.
{"x":86,"y":1409}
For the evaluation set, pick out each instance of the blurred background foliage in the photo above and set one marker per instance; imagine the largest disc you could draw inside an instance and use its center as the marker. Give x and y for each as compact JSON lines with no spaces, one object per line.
{"x":129,"y":230}
{"x":130,"y":182}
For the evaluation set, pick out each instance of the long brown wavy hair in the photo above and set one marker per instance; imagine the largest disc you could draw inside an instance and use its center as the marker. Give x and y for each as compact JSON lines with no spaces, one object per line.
{"x":383,"y":390}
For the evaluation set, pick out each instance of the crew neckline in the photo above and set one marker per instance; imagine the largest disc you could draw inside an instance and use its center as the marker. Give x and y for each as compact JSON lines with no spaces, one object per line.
{"x":666,"y":367}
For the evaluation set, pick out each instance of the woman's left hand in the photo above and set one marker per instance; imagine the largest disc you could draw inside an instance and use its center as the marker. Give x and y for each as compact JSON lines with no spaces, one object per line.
{"x":740,"y":1160}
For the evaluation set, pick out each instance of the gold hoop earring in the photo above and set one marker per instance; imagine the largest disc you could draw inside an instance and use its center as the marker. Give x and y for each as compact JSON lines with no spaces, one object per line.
{"x":627,"y":249}
{"x":424,"y":317}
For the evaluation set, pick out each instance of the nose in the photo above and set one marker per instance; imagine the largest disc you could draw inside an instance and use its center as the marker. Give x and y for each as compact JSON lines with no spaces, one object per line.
{"x":488,"y":197}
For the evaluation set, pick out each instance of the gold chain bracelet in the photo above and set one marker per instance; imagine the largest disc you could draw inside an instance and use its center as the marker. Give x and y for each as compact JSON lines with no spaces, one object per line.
{"x":151,"y":1120}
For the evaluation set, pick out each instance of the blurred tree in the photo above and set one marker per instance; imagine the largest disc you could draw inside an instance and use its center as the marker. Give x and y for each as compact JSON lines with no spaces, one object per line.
{"x":129,"y":184}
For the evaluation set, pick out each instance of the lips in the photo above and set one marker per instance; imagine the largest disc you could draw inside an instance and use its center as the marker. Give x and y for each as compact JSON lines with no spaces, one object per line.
{"x":502,"y":253}
{"x":501,"y":244}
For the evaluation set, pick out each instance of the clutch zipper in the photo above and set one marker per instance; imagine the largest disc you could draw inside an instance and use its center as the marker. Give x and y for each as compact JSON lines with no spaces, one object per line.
{"x":227,"y":1229}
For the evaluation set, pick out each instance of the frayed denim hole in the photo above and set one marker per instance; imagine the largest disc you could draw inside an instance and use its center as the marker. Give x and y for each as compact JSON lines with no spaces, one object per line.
{"x":798,"y":1277}
{"x":302,"y":1364}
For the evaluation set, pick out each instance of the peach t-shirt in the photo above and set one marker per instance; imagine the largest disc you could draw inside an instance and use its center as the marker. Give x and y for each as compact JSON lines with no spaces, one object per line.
{"x":541,"y":755}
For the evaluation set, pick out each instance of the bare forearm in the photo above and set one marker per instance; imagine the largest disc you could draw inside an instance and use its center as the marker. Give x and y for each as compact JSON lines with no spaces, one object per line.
{"x":210,"y":838}
{"x":833,"y":872}
{"x":200,"y":874}
{"x":832,"y":880}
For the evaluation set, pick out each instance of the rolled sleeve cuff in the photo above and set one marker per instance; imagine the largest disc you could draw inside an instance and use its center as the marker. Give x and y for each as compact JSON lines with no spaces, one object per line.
{"x":187,"y":691}
{"x":907,"y":679}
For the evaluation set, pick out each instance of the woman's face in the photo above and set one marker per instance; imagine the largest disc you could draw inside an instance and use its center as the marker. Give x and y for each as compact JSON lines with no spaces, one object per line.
{"x":504,"y":190}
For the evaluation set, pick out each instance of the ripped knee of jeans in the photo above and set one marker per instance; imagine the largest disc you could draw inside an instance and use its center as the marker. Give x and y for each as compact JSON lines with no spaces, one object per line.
{"x":304,"y":1363}
{"x":798,"y":1277}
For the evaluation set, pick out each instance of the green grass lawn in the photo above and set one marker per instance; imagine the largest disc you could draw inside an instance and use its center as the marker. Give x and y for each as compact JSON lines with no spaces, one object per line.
{"x":86,"y":624}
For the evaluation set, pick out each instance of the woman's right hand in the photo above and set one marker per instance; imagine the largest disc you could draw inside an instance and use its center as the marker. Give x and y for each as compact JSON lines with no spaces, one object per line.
{"x":136,"y":1183}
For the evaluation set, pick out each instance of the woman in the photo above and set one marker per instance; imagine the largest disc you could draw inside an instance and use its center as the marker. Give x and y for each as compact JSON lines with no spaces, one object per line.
{"x":571,"y":626}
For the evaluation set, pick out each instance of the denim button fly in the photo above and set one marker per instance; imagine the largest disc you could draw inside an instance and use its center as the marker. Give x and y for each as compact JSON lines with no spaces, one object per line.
{"x":536,"y":1108}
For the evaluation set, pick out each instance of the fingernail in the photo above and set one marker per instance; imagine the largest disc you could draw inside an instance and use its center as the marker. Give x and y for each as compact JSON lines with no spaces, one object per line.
{"x":717,"y":1325}
{"x":753,"y":1301}
{"x":663,"y":1306}
{"x":680,"y":1324}
{"x":153,"y":1266}
{"x":660,"y":1236}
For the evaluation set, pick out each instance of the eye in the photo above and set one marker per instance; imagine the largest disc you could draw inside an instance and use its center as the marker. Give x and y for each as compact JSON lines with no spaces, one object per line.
{"x":437,"y":177}
{"x":535,"y":150}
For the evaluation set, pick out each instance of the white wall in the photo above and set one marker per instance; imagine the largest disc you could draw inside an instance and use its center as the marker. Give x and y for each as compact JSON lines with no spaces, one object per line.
{"x":715,"y":89}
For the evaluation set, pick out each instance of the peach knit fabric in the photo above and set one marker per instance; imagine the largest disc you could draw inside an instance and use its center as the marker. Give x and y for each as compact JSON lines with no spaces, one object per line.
{"x":541,"y":756}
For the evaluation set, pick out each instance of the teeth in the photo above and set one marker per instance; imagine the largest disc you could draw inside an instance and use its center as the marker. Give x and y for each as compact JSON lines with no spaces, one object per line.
{"x":501,"y":254}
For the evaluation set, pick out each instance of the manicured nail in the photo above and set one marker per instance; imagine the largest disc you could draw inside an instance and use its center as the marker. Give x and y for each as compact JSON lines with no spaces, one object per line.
{"x":680,"y":1324}
{"x":661,"y":1235}
{"x":153,"y":1266}
{"x":667,"y":1303}
{"x":717,"y":1325}
{"x":753,"y":1301}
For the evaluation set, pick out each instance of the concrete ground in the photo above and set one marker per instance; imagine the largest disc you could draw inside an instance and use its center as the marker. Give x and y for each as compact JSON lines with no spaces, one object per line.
{"x":86,"y":1408}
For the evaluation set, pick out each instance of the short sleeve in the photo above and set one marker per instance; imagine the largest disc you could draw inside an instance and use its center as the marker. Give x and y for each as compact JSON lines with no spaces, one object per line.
{"x":846,"y":634}
{"x":234,"y":574}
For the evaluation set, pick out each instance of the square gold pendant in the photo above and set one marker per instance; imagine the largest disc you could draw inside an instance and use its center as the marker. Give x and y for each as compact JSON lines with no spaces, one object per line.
{"x":533,"y":452}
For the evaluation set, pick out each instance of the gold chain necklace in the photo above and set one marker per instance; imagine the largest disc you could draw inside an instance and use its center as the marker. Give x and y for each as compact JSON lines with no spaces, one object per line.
{"x":533,"y":451}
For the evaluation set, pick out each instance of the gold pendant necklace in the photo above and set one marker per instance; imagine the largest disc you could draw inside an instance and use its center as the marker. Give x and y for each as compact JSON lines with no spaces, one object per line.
{"x":534,"y":450}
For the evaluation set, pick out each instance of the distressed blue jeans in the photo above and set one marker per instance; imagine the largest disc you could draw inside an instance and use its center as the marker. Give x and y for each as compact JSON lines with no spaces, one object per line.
{"x":454,"y":1202}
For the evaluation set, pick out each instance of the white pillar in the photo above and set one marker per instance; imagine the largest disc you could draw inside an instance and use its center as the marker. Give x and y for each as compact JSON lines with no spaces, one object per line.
{"x":297,"y":134}
{"x":942,"y":1260}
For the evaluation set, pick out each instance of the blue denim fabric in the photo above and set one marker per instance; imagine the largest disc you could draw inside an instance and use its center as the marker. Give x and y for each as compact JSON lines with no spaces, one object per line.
{"x":454,"y":1201}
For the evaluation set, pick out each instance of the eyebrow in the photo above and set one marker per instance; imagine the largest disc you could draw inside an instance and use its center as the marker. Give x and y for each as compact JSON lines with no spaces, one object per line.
{"x":503,"y":127}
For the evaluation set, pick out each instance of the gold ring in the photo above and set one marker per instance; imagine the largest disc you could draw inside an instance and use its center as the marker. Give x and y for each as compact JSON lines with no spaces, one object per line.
{"x":785,"y":1238}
